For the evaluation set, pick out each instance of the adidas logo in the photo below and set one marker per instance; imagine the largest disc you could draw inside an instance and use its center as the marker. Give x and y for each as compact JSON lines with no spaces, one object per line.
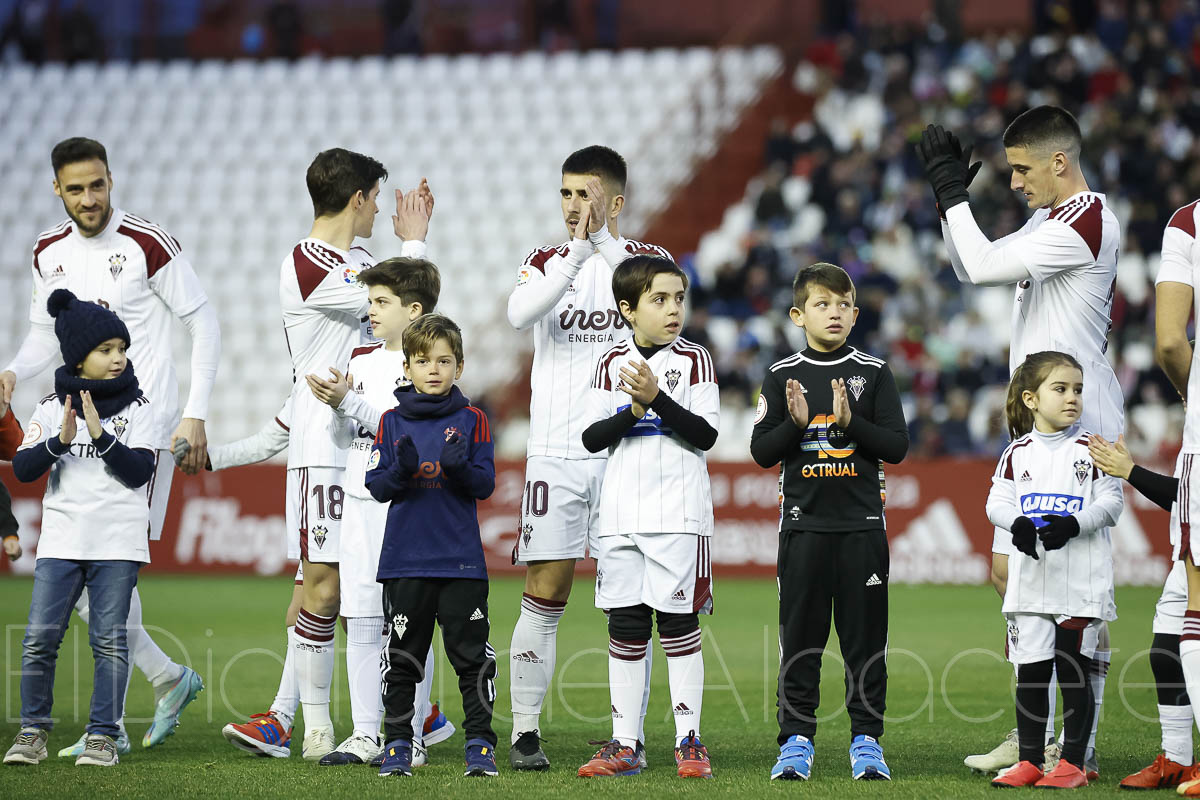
{"x":529,"y":657}
{"x":617,"y":714}
{"x":1025,"y":477}
{"x":874,"y":580}
{"x":935,"y":547}
{"x":682,"y":710}
{"x":478,"y":615}
{"x":679,"y":595}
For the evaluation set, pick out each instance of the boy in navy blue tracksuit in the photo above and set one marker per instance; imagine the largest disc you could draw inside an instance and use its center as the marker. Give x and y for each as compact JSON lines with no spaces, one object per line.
{"x":432,"y":459}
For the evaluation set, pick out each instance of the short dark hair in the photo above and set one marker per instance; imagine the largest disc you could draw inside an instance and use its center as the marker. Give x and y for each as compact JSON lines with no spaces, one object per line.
{"x":413,"y":280}
{"x":336,"y":174}
{"x":824,"y":274}
{"x":1046,"y":127}
{"x":598,"y":160}
{"x":633,"y":276}
{"x":420,"y":336}
{"x":75,"y":149}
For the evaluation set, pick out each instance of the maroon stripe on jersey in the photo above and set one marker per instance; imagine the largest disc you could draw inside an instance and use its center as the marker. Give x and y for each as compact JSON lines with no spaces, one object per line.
{"x":303,"y":520}
{"x":1183,"y":501}
{"x":538,"y":258}
{"x":702,"y":591}
{"x":167,"y":240}
{"x":279,"y":422}
{"x":157,"y":255}
{"x":363,"y":249}
{"x":702,"y":369}
{"x":1086,"y":218}
{"x":1008,"y":457}
{"x":311,"y":268}
{"x":44,"y":241}
{"x":1185,"y":219}
{"x":603,"y":379}
{"x":634,"y":247}
{"x":366,"y":348}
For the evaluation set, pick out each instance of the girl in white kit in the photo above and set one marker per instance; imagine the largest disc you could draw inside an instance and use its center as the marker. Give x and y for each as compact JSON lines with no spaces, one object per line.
{"x":1058,"y":506}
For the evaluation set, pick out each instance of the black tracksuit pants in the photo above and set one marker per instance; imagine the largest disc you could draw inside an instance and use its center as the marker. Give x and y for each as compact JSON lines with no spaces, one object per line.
{"x":459,"y":606}
{"x":843,"y":576}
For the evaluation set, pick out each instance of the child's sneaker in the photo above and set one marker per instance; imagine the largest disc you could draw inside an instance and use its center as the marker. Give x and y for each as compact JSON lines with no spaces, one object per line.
{"x":795,"y":760}
{"x":123,"y":745}
{"x":171,"y":705}
{"x":98,"y":751}
{"x":1004,"y":755}
{"x":1065,"y":775}
{"x":357,"y":749}
{"x":263,"y":735}
{"x":1163,"y":773}
{"x":318,"y":743}
{"x":29,"y":747}
{"x":691,"y":758}
{"x":437,"y":727}
{"x":866,"y":760}
{"x":481,"y":759}
{"x":526,"y":753}
{"x":612,"y":760}
{"x":397,"y":759}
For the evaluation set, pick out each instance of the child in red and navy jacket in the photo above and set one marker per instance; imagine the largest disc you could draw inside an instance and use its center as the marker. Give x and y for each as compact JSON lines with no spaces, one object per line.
{"x":432,"y":460}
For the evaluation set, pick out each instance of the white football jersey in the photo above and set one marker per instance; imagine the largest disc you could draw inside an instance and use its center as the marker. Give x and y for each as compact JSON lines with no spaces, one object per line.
{"x":1180,"y":263}
{"x":324,"y":318}
{"x":1042,"y":474}
{"x":1066,"y":304}
{"x":137,"y":270}
{"x":87,"y":513}
{"x":654,"y":481}
{"x":377,"y":373}
{"x":567,"y":341}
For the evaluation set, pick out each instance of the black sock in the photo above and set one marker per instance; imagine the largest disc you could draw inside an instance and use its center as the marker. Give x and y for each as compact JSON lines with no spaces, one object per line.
{"x":1168,"y":672}
{"x":1078,"y":704}
{"x":1033,"y":706}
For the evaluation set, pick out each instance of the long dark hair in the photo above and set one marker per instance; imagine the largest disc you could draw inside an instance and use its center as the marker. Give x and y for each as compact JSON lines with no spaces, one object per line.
{"x":1028,"y":377}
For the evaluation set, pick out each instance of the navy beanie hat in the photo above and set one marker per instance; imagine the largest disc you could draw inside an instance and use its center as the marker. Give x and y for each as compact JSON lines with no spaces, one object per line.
{"x":81,"y":325}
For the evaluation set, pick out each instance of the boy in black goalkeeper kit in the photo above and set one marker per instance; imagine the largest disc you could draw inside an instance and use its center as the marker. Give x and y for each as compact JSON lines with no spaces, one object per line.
{"x":831,"y":414}
{"x":432,"y":460}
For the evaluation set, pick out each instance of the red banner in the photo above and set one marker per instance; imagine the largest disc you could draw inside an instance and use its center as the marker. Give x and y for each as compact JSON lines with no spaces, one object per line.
{"x":232,"y":522}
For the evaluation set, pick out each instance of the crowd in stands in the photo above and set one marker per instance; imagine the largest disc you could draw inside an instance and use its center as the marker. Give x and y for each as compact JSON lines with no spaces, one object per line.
{"x":845,"y":186}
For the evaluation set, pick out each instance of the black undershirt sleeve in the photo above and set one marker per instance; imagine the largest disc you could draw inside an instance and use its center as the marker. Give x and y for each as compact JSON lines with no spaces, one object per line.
{"x":691,"y":427}
{"x":607,"y":432}
{"x":887,"y":437}
{"x":1158,"y":488}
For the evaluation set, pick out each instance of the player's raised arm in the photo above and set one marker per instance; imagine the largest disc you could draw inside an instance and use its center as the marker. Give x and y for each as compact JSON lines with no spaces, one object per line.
{"x":544,"y":277}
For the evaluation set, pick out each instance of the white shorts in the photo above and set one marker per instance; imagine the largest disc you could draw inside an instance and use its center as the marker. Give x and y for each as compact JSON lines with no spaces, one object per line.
{"x":669,"y":572}
{"x":300,"y":574}
{"x":159,"y":491}
{"x":1002,"y":542}
{"x":362,"y":539}
{"x":560,"y":505}
{"x":315,"y":503}
{"x":1186,"y":508}
{"x":1172,"y":603}
{"x":1031,"y":636}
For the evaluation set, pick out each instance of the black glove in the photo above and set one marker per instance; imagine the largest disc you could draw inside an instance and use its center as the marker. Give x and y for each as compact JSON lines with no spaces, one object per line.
{"x":1058,"y":530}
{"x":454,"y":454}
{"x":964,"y":156}
{"x":942,"y":159}
{"x":407,"y":459}
{"x":1024,"y":536}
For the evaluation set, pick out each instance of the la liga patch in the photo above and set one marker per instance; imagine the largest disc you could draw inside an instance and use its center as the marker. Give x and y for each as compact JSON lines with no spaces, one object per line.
{"x":373,"y":461}
{"x":33,"y":434}
{"x":761,"y":411}
{"x":350,"y":275}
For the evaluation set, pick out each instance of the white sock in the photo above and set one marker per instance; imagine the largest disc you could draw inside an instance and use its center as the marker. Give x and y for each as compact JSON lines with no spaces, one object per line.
{"x":1189,"y":659}
{"x":531,"y":660}
{"x":421,"y":704}
{"x":1176,"y":722}
{"x":364,"y":644}
{"x":146,"y":655}
{"x":312,"y":642}
{"x":685,"y":671}
{"x":1052,"y":692}
{"x":287,"y":698}
{"x":626,"y":685}
{"x":1097,"y":676}
{"x":645,"y":696}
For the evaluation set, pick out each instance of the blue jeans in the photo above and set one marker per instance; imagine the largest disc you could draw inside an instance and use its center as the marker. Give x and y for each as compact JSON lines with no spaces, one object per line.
{"x":57,"y":584}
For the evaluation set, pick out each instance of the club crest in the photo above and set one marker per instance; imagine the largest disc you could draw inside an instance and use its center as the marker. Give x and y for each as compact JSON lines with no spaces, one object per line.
{"x":672,"y":377}
{"x":1083,"y":468}
{"x":116,"y":263}
{"x":399,"y":625}
{"x":119,"y":425}
{"x":856,"y":385}
{"x":526,"y":533}
{"x":320,"y":533}
{"x":450,"y":432}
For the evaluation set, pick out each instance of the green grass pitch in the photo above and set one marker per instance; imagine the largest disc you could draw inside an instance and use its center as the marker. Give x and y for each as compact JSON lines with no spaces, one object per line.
{"x":950,"y":694}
